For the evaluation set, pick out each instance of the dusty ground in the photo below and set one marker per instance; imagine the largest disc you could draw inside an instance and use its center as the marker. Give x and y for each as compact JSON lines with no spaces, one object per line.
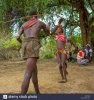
{"x":80,"y":78}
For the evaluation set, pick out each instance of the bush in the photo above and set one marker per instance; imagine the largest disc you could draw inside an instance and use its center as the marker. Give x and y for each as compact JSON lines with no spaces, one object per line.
{"x":48,"y":48}
{"x":10,"y":43}
{"x":10,"y":49}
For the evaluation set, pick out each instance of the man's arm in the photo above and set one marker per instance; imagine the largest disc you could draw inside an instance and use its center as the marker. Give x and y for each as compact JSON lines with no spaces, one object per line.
{"x":56,"y":27}
{"x":46,"y":29}
{"x":54,"y":30}
{"x":19,"y":35}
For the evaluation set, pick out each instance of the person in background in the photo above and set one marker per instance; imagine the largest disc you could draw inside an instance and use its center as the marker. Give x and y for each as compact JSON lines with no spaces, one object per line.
{"x":81,"y":57}
{"x":89,"y":52}
{"x":69,"y":57}
{"x":75,"y":51}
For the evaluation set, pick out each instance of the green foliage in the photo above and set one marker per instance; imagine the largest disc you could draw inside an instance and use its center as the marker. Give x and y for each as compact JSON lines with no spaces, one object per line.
{"x":76,"y":40}
{"x":10,"y":43}
{"x":11,"y":9}
{"x":48,"y":48}
{"x":43,"y":35}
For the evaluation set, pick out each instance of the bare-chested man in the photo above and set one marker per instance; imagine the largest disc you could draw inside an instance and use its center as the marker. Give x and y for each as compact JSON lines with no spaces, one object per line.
{"x":61,"y":51}
{"x":30,"y":49}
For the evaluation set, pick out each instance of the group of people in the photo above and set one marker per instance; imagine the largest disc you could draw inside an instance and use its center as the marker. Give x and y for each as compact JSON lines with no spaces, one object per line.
{"x":85,"y":55}
{"x":31,"y":46}
{"x":82,"y":56}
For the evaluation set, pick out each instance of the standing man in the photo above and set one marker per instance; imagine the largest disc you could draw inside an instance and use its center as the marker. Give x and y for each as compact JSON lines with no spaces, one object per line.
{"x":61,"y":50}
{"x":30,"y":49}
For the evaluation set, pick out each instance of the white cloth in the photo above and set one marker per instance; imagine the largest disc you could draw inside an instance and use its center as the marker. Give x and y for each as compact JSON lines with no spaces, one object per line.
{"x":90,"y":50}
{"x":86,"y":52}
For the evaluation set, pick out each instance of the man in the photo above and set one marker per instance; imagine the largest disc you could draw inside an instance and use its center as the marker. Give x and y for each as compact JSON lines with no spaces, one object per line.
{"x":61,"y":51}
{"x":30,"y":48}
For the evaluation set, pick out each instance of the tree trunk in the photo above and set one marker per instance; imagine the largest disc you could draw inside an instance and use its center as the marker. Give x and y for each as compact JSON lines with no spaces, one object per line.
{"x":85,"y":26}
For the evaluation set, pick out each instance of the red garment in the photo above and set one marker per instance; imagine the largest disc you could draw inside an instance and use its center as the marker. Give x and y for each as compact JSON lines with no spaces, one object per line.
{"x":29,"y":23}
{"x":60,"y":37}
{"x":81,"y":53}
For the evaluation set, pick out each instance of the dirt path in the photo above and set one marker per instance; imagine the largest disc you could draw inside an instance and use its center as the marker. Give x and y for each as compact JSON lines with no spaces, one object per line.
{"x":80,"y":78}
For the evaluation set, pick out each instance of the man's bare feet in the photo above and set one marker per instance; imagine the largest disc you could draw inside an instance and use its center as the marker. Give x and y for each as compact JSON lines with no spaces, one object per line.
{"x":63,"y":81}
{"x":66,"y":73}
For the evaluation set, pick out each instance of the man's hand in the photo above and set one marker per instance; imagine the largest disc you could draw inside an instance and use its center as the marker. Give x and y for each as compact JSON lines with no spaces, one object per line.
{"x":18,"y":38}
{"x":49,"y":24}
{"x":60,"y":20}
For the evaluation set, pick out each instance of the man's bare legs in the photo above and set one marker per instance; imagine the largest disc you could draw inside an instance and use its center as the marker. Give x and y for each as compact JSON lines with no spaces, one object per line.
{"x":66,"y":68}
{"x":35,"y":80}
{"x":61,"y":71}
{"x":60,"y":66}
{"x":64,"y":65}
{"x":31,"y":70}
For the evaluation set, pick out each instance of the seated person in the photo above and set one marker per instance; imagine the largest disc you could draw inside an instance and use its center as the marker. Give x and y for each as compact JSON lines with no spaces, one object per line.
{"x":75,"y":51}
{"x":89,"y":52}
{"x":69,"y":57}
{"x":81,"y":57}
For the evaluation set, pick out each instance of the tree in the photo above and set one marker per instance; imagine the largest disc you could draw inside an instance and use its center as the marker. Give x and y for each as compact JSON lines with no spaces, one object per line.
{"x":81,"y":13}
{"x":85,"y":19}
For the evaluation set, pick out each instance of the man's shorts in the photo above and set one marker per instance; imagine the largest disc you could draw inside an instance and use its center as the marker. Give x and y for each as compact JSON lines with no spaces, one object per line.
{"x":30,"y":48}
